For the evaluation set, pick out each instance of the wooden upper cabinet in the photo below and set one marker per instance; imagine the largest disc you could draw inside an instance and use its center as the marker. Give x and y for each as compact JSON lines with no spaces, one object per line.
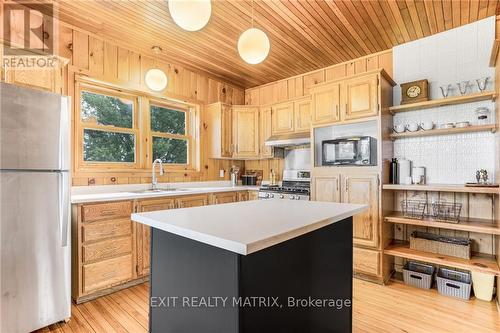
{"x":245,"y":131}
{"x":361,"y":94}
{"x":363,"y":189}
{"x":302,"y":110}
{"x":283,"y":118}
{"x":265,"y":131}
{"x":326,"y":188}
{"x":48,"y":80}
{"x":219,"y":124}
{"x":326,"y":104}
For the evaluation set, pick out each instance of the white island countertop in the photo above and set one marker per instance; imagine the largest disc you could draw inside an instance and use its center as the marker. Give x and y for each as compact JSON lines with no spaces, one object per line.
{"x":249,"y":226}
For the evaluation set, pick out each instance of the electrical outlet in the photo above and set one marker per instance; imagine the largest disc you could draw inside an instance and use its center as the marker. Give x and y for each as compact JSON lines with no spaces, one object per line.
{"x":221,"y":173}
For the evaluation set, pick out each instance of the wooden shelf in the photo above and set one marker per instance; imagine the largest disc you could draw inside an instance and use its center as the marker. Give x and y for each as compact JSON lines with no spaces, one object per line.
{"x":457,"y":188}
{"x":471,"y":225}
{"x":445,"y":131}
{"x":489,"y":95}
{"x":477,"y":263}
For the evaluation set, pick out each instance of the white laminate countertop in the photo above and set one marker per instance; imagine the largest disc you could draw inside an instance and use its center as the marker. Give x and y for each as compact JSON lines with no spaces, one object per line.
{"x":86,"y":194}
{"x":249,"y":226}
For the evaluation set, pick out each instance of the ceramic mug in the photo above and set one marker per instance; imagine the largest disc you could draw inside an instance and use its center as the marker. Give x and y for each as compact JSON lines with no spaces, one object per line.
{"x":412,"y":127}
{"x":462,"y":124}
{"x":427,"y":125}
{"x":399,"y":128}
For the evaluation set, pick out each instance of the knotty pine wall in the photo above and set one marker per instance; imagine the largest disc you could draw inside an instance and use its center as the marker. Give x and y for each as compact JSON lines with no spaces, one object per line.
{"x":298,"y":86}
{"x":108,"y":62}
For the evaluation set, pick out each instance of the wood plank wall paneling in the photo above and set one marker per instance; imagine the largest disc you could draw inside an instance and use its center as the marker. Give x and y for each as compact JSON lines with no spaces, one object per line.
{"x":497,"y":143}
{"x":299,"y":86}
{"x":101,"y":60}
{"x":305,"y":35}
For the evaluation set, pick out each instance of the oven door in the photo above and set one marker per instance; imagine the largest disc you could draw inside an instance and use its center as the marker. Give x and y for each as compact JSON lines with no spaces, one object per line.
{"x":339,"y":152}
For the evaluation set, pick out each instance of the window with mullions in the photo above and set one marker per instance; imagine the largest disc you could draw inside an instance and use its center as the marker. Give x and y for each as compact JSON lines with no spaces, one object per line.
{"x":109,"y":131}
{"x":170,"y":135}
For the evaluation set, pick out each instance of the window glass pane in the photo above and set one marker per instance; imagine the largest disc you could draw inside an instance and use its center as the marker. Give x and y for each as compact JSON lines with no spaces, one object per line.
{"x":106,"y":110}
{"x":170,"y":150}
{"x":167,"y":120}
{"x":101,"y":146}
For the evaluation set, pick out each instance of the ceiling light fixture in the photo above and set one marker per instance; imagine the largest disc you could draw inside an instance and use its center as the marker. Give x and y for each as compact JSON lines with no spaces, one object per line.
{"x":190,"y":15}
{"x":253,"y":44}
{"x":155,"y":78}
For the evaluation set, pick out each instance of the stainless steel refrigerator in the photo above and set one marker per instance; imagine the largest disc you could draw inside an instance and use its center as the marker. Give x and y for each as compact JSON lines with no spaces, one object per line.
{"x":34,"y":208}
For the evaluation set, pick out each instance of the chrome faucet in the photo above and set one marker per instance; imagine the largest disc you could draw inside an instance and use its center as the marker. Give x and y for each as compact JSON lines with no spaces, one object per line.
{"x":154,"y":180}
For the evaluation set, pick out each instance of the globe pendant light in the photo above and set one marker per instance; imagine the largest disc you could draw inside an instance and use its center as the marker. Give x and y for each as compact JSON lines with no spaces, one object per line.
{"x":190,"y":15}
{"x":253,"y":45}
{"x":155,"y":78}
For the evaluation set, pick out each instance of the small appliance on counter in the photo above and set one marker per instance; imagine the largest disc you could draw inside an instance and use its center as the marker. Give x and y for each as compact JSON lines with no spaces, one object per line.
{"x":249,"y":178}
{"x":354,"y":151}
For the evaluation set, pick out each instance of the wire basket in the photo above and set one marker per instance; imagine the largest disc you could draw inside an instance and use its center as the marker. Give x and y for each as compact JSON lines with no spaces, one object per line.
{"x":446,"y":212}
{"x":414,"y":209}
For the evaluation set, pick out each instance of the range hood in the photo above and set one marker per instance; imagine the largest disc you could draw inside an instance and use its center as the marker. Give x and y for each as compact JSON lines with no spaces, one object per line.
{"x":286,"y":140}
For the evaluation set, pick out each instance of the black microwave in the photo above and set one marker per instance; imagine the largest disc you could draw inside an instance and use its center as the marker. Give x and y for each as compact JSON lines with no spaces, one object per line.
{"x":356,"y":150}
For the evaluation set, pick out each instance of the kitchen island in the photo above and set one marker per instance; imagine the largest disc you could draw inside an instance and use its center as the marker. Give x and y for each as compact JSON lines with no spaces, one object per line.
{"x":255,"y":266}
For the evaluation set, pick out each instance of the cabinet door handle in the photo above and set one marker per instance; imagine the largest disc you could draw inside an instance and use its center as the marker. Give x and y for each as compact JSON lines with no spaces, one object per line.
{"x":337,"y":111}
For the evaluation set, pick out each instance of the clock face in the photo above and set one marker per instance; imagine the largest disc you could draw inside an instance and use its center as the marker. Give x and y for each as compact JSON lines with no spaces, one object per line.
{"x":413,"y":91}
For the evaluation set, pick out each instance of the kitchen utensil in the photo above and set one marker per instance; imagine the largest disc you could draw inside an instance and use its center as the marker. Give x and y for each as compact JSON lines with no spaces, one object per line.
{"x":412,"y":127}
{"x":481,"y":83}
{"x":445,"y":90}
{"x":234,"y":175}
{"x":462,"y":124}
{"x":427,"y":125}
{"x":462,"y":86}
{"x":483,"y":115}
{"x":404,"y":171}
{"x":399,"y":128}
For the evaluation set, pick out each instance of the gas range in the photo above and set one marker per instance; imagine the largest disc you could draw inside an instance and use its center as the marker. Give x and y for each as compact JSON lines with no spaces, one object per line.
{"x":295,"y":186}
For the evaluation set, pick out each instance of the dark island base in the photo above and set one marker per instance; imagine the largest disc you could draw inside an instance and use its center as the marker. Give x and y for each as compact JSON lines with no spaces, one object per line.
{"x":317,"y":265}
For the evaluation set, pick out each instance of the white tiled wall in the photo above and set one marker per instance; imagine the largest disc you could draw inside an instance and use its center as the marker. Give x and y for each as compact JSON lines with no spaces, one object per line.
{"x":448,"y":57}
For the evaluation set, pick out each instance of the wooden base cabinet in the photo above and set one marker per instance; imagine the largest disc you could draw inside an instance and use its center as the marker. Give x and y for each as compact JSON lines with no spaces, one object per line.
{"x":359,"y":189}
{"x":103,"y":248}
{"x":110,"y":252}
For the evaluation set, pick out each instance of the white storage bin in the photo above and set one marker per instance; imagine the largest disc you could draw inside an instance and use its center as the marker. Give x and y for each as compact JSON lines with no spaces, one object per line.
{"x":483,"y":285}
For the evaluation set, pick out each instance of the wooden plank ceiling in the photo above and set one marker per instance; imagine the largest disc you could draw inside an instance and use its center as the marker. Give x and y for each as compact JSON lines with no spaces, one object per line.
{"x":305,"y":35}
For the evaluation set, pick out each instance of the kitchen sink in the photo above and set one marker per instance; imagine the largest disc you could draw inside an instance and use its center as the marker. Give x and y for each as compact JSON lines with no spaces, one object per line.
{"x":160,"y":190}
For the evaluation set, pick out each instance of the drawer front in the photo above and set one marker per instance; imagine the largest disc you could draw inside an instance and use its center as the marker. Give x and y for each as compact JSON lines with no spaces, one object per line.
{"x":107,"y":273}
{"x":366,"y":261}
{"x":106,"y":211}
{"x":192,"y":201}
{"x":222,"y":198}
{"x":105,"y":229}
{"x":243,"y":196}
{"x":106,"y":249}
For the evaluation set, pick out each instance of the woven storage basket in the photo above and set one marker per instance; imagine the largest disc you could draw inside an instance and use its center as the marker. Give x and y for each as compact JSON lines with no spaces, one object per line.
{"x":450,"y":246}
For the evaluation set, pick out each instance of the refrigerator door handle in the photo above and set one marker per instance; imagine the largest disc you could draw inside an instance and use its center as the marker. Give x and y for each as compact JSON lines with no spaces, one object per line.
{"x":63,"y":207}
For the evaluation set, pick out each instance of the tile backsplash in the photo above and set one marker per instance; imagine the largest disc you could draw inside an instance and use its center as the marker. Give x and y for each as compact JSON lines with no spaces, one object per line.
{"x":448,"y":57}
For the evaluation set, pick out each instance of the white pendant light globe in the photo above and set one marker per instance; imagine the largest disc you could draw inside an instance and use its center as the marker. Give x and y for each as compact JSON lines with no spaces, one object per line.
{"x":156,"y":79}
{"x":253,"y":46}
{"x":190,"y":15}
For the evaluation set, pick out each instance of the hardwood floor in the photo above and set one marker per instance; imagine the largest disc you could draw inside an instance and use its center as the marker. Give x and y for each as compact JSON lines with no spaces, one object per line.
{"x":393,"y":308}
